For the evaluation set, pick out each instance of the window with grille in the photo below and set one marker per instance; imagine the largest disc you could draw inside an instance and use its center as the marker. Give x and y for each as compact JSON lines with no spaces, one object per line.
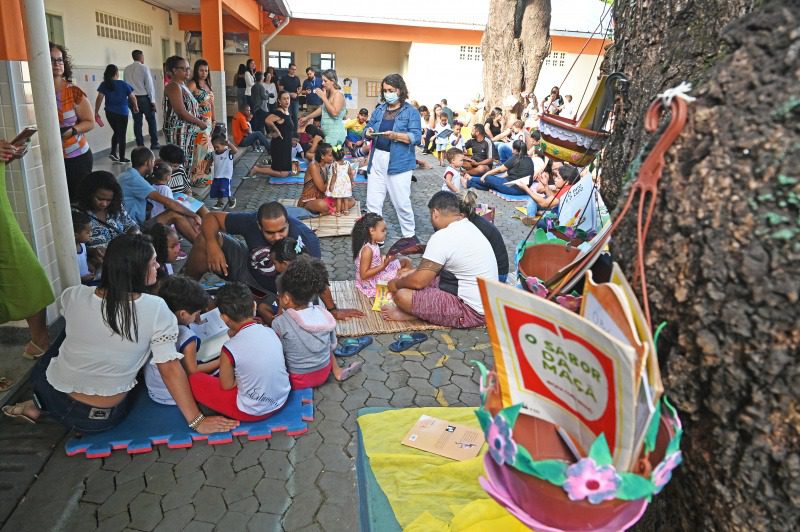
{"x":556,"y":59}
{"x":470,"y":53}
{"x":123,"y":29}
{"x":280,"y":60}
{"x":323,"y":61}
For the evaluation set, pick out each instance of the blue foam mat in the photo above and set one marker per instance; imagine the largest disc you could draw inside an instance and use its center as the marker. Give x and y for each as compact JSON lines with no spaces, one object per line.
{"x":298,"y":180}
{"x":509,"y":197}
{"x":150,"y":423}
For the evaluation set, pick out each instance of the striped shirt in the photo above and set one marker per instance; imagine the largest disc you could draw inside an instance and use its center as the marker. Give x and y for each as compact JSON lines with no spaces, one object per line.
{"x":68,"y":100}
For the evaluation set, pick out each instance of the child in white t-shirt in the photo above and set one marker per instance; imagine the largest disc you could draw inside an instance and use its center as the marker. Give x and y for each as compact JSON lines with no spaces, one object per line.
{"x":455,"y":178}
{"x":162,"y":172}
{"x":82,"y":227}
{"x":186,"y":299}
{"x":456,"y":140}
{"x":441,"y":139}
{"x":223,"y":172}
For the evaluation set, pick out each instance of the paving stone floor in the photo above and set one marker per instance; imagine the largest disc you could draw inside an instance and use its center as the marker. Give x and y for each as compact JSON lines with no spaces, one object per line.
{"x":285,"y":483}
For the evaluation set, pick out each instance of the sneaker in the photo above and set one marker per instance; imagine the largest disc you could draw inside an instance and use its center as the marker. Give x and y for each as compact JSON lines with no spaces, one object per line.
{"x":218,"y":206}
{"x":114,"y":157}
{"x":231,"y":204}
{"x":124,"y":160}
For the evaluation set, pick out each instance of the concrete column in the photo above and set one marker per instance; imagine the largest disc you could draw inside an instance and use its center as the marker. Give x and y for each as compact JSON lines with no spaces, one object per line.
{"x":211,"y":28}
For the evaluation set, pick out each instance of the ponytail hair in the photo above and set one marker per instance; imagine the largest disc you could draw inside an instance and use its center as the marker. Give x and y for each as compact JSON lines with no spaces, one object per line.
{"x":108,"y":76}
{"x":468,"y":203}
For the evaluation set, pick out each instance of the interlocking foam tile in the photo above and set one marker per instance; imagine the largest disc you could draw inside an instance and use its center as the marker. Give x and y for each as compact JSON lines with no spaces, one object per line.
{"x":298,"y":179}
{"x":509,"y":197}
{"x":150,"y":423}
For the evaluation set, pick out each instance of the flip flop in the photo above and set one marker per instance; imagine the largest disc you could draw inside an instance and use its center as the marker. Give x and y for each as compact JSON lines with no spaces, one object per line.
{"x":12,"y":412}
{"x":351,"y":346}
{"x":351,"y":370}
{"x":38,"y":351}
{"x":407,"y":341}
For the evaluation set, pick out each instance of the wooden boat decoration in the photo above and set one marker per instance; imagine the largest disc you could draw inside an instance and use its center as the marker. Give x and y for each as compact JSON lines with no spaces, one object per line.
{"x":578,"y":141}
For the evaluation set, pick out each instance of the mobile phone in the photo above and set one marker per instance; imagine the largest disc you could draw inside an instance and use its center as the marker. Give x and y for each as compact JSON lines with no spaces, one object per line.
{"x":23,"y":136}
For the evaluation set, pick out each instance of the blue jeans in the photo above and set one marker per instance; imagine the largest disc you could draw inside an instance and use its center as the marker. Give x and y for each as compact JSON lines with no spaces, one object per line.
{"x":504,"y":151}
{"x":66,"y":410}
{"x":253,"y":137}
{"x":145,"y":111}
{"x":494,"y":182}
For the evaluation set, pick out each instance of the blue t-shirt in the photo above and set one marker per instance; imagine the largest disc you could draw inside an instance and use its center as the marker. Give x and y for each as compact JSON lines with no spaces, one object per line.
{"x":260,"y":265}
{"x":117,"y":99}
{"x":135,"y":190}
{"x":316,"y":83}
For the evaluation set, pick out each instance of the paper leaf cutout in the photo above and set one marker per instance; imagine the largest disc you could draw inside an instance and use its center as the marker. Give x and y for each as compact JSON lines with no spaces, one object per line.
{"x":484,"y":418}
{"x":553,"y":471}
{"x":634,"y":487}
{"x":652,"y":430}
{"x":599,"y":451}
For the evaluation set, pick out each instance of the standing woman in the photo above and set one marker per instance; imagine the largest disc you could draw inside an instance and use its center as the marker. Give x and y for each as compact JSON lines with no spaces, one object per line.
{"x":117,"y":94}
{"x":249,"y":81}
{"x":182,"y":120}
{"x":24,"y":288}
{"x":239,"y":85}
{"x":77,"y":383}
{"x":74,"y":118}
{"x":332,"y":111}
{"x":272,"y":90}
{"x":395,"y":126}
{"x":200,"y":86}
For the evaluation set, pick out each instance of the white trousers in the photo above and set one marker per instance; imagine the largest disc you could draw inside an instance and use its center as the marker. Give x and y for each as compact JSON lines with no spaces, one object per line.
{"x":399,"y":187}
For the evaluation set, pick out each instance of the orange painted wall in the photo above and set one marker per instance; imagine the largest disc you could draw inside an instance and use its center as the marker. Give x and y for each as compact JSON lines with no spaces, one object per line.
{"x":573,"y":45}
{"x":12,"y":32}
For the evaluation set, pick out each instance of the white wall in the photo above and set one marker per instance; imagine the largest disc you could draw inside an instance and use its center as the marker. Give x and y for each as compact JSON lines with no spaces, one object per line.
{"x":583,"y":77}
{"x":435,"y":72}
{"x":91,"y":53}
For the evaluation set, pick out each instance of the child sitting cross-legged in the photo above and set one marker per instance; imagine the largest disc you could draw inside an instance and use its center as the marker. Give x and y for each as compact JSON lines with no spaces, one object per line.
{"x":307,"y":331}
{"x":369,"y":232}
{"x":253,"y":383}
{"x":186,"y":299}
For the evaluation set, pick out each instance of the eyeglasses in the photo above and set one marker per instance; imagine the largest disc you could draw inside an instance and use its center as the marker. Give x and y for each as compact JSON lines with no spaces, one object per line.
{"x":57,"y":60}
{"x":186,"y":68}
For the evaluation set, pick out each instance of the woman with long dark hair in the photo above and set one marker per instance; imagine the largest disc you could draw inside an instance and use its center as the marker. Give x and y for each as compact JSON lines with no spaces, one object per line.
{"x":395,"y":126}
{"x":182,"y":118}
{"x":77,"y":382}
{"x":74,"y":118}
{"x":200,"y":87}
{"x":119,"y":99}
{"x":239,"y":85}
{"x":249,"y":80}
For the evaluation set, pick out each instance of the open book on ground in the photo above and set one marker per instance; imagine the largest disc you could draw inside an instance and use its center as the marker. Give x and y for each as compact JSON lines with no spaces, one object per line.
{"x":581,"y":374}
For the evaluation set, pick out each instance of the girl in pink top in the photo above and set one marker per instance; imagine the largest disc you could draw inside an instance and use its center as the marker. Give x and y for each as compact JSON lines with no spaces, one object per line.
{"x":369,"y":233}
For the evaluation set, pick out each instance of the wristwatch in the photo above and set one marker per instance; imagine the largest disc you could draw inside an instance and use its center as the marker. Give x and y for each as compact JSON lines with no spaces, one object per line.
{"x":74,"y":131}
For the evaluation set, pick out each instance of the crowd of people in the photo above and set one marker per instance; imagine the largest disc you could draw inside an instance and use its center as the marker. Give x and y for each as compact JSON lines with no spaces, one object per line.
{"x":277,"y":302}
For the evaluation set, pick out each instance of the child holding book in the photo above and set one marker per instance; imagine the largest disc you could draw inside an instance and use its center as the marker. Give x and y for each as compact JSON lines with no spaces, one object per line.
{"x":253,"y":382}
{"x":223,"y":172}
{"x":307,"y":331}
{"x":340,"y":185}
{"x":82,"y":228}
{"x":162,"y":172}
{"x":281,"y":253}
{"x":369,"y":232}
{"x":186,"y":299}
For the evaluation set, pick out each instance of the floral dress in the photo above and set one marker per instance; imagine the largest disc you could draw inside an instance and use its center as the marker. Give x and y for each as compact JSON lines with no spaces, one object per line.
{"x":179,"y":132}
{"x":202,"y":152}
{"x":367,"y":286}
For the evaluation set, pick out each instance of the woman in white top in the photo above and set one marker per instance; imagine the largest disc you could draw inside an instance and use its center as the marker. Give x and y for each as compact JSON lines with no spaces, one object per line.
{"x":272,"y":90}
{"x":249,"y":81}
{"x":84,"y":380}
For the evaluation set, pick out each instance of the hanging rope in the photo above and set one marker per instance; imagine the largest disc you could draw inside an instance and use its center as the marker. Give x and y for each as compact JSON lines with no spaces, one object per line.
{"x":594,"y":32}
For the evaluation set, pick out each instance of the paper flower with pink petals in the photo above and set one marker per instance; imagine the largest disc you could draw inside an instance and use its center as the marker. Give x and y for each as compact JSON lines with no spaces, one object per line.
{"x":663,"y":471}
{"x":536,"y":286}
{"x":570,"y":302}
{"x":501,"y":446}
{"x":587,"y":480}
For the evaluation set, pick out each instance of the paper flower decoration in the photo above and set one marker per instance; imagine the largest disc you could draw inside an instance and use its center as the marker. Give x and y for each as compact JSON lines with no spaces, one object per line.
{"x":570,"y":302}
{"x":587,"y":480}
{"x":501,"y":445}
{"x":536,"y":286}
{"x":663,"y":471}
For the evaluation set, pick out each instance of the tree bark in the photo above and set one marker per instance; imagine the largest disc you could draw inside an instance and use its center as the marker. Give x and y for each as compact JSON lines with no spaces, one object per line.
{"x":516,"y":41}
{"x":723,"y":254}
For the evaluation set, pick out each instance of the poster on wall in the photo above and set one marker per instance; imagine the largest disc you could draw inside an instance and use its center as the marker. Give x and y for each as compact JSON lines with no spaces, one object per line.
{"x":350,"y":90}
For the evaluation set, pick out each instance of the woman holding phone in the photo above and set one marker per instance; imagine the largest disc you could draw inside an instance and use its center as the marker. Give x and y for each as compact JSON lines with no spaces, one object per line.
{"x":75,"y":118}
{"x":24,"y":288}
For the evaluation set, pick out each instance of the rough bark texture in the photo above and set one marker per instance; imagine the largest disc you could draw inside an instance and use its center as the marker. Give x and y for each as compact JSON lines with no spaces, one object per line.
{"x":723,"y":257}
{"x":516,"y":41}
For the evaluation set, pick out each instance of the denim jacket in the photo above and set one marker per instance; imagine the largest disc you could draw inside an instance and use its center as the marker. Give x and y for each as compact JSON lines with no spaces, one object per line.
{"x":402,"y":156}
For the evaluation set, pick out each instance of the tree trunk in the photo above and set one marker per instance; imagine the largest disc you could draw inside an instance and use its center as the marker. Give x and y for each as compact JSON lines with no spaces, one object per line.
{"x":723,"y":254}
{"x":516,"y":41}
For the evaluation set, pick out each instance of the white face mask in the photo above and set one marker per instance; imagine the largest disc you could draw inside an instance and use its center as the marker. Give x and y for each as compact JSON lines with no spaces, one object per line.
{"x":391,"y":97}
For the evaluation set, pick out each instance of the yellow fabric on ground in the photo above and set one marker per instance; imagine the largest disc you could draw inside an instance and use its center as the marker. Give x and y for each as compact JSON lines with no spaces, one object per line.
{"x":429,"y":492}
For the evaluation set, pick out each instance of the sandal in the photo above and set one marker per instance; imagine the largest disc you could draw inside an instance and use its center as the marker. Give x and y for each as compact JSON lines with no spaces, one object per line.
{"x":5,"y":384}
{"x":17,"y":411}
{"x":351,"y":346}
{"x":407,"y":341}
{"x":34,"y":354}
